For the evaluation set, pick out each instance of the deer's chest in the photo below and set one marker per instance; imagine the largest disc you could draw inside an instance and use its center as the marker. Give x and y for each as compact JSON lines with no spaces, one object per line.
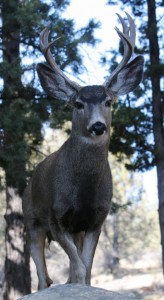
{"x":83,"y":218}
{"x":83,"y":201}
{"x":85,"y":210}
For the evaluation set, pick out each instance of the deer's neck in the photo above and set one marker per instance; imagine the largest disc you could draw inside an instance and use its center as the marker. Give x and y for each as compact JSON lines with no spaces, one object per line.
{"x":88,"y":156}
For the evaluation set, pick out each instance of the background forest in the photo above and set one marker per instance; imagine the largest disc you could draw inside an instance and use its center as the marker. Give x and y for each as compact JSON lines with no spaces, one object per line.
{"x":33,"y":125}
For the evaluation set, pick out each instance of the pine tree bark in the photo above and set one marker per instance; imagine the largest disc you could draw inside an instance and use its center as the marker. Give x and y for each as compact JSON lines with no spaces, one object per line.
{"x":158,"y":111}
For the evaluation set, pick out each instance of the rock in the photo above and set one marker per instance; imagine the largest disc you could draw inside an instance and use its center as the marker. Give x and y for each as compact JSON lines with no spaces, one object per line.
{"x":77,"y":292}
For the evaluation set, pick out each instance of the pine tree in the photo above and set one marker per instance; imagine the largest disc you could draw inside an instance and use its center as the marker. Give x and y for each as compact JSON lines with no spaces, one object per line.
{"x":24,"y":109}
{"x":138,"y":119}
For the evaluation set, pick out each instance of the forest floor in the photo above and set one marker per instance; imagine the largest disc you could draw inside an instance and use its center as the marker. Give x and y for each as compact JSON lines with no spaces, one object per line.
{"x":143,"y":278}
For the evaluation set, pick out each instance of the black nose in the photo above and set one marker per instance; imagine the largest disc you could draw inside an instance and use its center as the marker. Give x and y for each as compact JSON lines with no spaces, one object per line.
{"x":98,"y":128}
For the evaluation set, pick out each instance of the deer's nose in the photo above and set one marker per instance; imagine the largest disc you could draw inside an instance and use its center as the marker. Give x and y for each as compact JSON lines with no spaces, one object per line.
{"x":97,"y":128}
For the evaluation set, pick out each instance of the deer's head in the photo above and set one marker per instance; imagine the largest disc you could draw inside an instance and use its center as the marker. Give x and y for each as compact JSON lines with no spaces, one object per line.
{"x":92,"y":104}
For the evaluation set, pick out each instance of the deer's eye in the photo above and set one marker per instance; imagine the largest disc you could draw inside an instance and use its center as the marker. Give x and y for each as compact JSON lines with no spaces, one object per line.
{"x":108,"y":103}
{"x":79,"y":105}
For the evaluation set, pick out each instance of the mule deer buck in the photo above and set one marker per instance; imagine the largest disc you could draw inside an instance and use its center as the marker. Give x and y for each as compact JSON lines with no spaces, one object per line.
{"x":70,"y":193}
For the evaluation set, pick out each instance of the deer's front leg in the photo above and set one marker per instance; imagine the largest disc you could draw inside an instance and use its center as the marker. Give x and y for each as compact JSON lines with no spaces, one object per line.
{"x":37,"y":237}
{"x":78,"y":269}
{"x":89,"y":246}
{"x":78,"y":240}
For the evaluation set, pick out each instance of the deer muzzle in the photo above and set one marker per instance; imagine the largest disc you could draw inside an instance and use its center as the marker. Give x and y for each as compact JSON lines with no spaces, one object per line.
{"x":97,"y":128}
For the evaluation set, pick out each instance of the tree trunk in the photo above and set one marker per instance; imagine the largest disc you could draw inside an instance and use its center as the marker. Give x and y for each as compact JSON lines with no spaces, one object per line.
{"x":158,"y":111}
{"x":116,"y":240}
{"x":17,"y":273}
{"x":160,"y":176}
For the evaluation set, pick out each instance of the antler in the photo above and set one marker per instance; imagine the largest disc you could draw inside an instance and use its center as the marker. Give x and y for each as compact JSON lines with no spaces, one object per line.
{"x":45,"y":48}
{"x":128,"y":39}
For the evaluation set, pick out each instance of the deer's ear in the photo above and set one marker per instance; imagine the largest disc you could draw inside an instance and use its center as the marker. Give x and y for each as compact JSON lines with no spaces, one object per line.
{"x":128,"y":78}
{"x":54,"y":84}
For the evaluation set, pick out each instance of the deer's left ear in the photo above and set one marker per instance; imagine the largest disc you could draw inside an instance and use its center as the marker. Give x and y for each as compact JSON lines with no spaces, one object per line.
{"x":54,"y":83}
{"x":128,"y":78}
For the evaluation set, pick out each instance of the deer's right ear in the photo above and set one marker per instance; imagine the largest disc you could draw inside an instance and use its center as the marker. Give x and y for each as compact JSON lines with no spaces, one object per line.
{"x":129,"y":77}
{"x":54,"y":83}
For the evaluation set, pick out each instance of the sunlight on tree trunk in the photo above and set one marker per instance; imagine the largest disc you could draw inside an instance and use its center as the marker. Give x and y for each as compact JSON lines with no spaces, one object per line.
{"x":16,"y":281}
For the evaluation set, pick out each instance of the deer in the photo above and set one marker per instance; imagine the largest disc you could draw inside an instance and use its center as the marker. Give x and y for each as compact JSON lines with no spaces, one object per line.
{"x":69,"y":196}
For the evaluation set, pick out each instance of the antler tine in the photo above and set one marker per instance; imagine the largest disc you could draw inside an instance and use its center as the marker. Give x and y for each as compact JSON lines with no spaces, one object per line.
{"x":124,"y":25}
{"x":129,"y":31}
{"x":45,"y":48}
{"x":132,"y":30}
{"x":44,"y":39}
{"x":128,"y":39}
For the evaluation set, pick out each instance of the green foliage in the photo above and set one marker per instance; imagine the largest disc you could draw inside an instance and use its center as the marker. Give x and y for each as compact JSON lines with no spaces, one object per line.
{"x":132,"y":129}
{"x":19,"y":121}
{"x":132,"y":115}
{"x":24,"y":108}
